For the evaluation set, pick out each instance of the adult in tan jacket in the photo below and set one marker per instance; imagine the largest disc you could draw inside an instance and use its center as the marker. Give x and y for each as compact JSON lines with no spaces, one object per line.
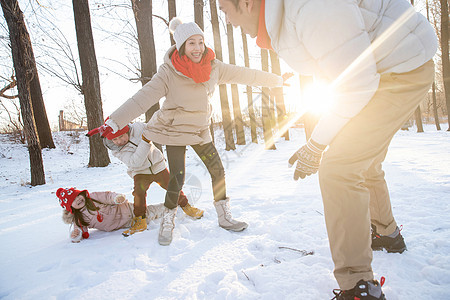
{"x":377,"y":57}
{"x":187,"y":80}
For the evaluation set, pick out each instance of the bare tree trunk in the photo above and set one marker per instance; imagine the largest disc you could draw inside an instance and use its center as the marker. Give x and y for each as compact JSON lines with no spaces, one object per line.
{"x":238,"y":124}
{"x":435,"y":111}
{"x":172,"y":5}
{"x":279,"y":98}
{"x":251,"y":111}
{"x":265,"y":105}
{"x":24,"y":66}
{"x":40,"y":114}
{"x":418,"y":117}
{"x":225,"y":107}
{"x":142,"y":10}
{"x":198,"y":13}
{"x":198,"y":17}
{"x":445,"y":55}
{"x":38,"y":106}
{"x":273,"y":121}
{"x":418,"y":113}
{"x":91,"y":83}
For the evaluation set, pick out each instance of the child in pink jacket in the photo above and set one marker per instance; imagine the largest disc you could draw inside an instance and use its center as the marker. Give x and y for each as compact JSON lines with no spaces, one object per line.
{"x":106,"y":211}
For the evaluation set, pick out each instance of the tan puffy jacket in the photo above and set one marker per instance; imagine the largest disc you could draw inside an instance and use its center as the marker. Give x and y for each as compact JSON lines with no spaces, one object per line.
{"x":140,"y":157}
{"x":348,"y":43}
{"x":185,"y":114}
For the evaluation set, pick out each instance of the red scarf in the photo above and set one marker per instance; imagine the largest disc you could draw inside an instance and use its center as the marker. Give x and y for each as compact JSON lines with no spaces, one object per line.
{"x":199,"y":72}
{"x":263,"y":38}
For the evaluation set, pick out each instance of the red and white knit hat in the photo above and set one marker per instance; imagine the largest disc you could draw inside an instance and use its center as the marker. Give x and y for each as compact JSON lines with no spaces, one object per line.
{"x":67,"y":196}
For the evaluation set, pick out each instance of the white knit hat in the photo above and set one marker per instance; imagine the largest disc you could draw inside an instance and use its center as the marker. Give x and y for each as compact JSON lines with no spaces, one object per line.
{"x":182,"y":31}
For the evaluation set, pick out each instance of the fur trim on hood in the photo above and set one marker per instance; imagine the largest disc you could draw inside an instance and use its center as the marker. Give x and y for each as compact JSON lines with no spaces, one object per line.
{"x":67,"y":217}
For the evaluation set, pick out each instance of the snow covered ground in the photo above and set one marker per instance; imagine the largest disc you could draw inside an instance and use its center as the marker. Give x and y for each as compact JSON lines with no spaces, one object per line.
{"x":205,"y":261}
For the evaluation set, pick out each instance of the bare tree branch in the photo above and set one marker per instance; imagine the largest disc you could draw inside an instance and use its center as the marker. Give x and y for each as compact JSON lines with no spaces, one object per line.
{"x":162,"y":18}
{"x":11,"y":85}
{"x":64,"y":65}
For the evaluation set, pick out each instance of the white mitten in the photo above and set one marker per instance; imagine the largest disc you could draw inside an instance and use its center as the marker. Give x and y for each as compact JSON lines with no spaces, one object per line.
{"x":76,"y":235}
{"x":120,"y":199}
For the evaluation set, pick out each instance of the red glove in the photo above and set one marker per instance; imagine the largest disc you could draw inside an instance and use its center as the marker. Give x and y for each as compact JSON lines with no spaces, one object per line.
{"x":104,"y":130}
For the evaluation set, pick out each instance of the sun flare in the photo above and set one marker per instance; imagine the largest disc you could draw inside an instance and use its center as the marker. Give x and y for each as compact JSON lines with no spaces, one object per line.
{"x":318,"y":98}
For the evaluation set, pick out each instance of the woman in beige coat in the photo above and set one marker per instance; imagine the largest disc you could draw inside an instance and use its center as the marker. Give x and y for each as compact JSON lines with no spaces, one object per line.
{"x":187,"y":80}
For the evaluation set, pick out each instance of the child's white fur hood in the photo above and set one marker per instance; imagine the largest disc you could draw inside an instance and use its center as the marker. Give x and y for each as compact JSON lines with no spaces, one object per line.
{"x":67,"y":217}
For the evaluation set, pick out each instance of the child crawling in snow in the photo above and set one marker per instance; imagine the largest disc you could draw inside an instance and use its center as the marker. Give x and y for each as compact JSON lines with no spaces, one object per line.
{"x":106,"y":211}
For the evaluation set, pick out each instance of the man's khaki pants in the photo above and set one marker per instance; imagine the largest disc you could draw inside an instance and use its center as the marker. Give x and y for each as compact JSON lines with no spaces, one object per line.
{"x":351,"y":178}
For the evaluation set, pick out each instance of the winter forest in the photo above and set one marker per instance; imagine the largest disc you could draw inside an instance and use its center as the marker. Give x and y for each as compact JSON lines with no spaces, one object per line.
{"x":65,"y":66}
